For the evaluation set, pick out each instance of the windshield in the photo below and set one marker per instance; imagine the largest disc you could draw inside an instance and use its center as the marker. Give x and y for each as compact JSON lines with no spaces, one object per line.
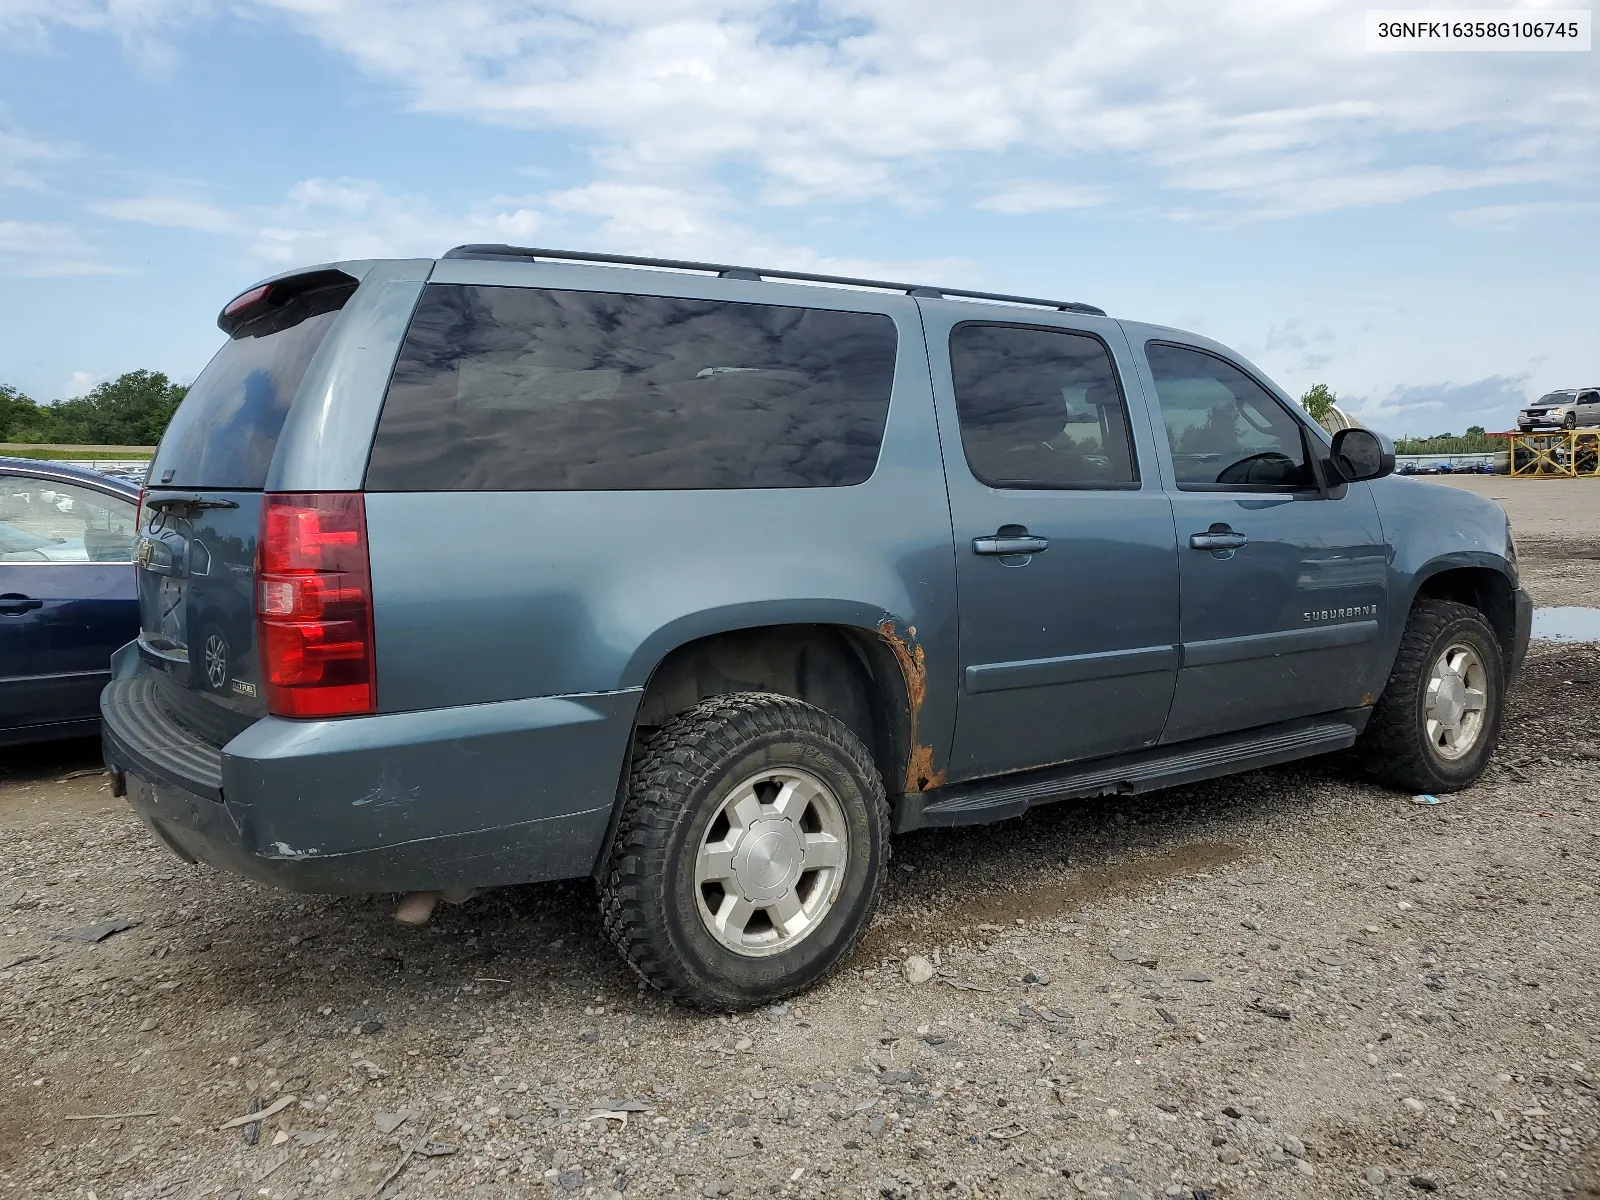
{"x":1556,"y":398}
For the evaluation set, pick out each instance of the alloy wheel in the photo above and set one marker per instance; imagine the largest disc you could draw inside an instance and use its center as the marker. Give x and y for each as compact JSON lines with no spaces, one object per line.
{"x":1455,"y":702}
{"x":771,"y":862}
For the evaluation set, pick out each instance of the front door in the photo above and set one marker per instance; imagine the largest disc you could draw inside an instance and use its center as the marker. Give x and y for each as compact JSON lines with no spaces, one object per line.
{"x":1065,"y":562}
{"x":1283,"y":578}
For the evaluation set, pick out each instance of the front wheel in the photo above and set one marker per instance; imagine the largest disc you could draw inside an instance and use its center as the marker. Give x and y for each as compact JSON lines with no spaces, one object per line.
{"x":748,"y":859}
{"x":1571,"y":422}
{"x":1435,"y":727}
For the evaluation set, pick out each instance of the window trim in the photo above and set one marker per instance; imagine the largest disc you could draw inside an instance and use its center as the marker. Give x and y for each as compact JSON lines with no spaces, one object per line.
{"x":1133,"y":485}
{"x":1316,"y":486}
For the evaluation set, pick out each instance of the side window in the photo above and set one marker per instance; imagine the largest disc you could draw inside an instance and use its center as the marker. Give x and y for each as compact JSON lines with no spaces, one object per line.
{"x":1040,"y":408}
{"x":1226,"y":431}
{"x":530,"y":389}
{"x":41,"y":521}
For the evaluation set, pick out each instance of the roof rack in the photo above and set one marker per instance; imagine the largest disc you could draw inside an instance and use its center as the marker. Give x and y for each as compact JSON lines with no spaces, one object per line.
{"x":726,"y":271}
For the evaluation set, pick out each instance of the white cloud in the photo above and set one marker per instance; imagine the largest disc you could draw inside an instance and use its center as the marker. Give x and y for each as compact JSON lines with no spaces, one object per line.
{"x":325,"y":219}
{"x":1036,"y":196}
{"x":1512,"y":216}
{"x":137,"y":24}
{"x":21,"y":156}
{"x":42,"y":249}
{"x":1233,"y":108}
{"x":172,"y":213}
{"x":1273,"y":111}
{"x":321,"y":220}
{"x":1427,"y":409}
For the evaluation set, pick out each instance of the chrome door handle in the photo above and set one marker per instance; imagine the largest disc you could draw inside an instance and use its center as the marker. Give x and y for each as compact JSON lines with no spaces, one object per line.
{"x":1010,"y":544}
{"x":1217,"y":539}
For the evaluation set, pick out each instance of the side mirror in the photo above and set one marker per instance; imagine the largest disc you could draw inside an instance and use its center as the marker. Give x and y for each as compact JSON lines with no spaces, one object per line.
{"x":1360,"y":454}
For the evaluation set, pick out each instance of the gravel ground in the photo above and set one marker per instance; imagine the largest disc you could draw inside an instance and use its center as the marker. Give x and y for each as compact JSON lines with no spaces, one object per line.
{"x":1289,"y":983}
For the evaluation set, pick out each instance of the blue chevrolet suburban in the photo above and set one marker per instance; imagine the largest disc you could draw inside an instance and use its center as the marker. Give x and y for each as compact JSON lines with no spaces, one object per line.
{"x":705,"y":580}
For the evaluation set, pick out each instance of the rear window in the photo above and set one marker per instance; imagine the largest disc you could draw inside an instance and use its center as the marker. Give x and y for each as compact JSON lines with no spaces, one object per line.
{"x":225,"y":431}
{"x":523,"y":389}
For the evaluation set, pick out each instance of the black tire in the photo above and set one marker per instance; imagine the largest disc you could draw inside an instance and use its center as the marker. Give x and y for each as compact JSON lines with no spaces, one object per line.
{"x":1571,"y":421}
{"x":1395,"y":748}
{"x":649,"y":900}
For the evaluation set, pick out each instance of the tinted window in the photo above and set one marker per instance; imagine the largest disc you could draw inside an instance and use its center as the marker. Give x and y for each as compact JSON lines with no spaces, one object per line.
{"x":42,"y":521}
{"x":1039,"y":408}
{"x":227,"y":427}
{"x":522,"y":389}
{"x":1225,"y":429}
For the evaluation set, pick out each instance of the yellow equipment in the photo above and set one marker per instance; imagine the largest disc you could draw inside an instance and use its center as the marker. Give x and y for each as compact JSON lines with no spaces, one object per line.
{"x":1563,"y":452}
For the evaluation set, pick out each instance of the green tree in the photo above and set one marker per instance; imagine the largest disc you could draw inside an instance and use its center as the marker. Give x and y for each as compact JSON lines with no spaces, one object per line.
{"x":1475,"y":431}
{"x":1318,"y":401}
{"x":131,"y":410}
{"x":17,"y":413}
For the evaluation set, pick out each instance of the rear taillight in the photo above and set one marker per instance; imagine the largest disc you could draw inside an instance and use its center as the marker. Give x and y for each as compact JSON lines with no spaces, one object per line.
{"x":314,"y":605}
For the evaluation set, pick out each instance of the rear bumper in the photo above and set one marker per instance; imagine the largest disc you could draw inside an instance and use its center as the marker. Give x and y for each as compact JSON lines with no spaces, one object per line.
{"x":515,"y":792}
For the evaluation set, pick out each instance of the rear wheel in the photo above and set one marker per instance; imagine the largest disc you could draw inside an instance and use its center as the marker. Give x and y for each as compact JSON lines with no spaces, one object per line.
{"x":749,"y":854}
{"x":1435,"y":727}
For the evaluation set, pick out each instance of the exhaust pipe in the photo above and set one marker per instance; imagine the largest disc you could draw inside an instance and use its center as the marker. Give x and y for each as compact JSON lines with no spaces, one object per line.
{"x":416,"y":908}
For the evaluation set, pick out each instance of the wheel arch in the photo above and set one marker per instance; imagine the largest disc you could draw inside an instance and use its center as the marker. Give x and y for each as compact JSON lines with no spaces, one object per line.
{"x":871,"y":676}
{"x":1483,"y":582}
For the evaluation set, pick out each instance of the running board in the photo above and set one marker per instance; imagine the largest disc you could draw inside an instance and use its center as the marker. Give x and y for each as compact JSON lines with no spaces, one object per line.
{"x":986,"y":800}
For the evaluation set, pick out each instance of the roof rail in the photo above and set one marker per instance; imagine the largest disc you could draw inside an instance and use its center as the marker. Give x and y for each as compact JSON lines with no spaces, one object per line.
{"x":727,"y":271}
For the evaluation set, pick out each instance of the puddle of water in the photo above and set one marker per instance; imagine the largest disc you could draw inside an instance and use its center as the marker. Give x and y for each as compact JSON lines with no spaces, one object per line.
{"x":1566,"y":623}
{"x":1051,"y":898}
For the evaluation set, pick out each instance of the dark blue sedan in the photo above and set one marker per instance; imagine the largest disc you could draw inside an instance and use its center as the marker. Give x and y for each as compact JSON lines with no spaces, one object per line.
{"x":67,"y":595}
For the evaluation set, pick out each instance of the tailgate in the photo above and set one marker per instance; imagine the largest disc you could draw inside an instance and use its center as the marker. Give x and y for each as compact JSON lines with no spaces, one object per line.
{"x":196,"y":570}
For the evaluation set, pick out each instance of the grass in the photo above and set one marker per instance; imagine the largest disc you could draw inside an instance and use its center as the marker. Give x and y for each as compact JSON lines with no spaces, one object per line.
{"x":1471,"y":443}
{"x":75,"y":453}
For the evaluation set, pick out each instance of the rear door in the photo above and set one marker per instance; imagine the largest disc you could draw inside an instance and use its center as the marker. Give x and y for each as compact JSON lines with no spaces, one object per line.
{"x":66,"y":596}
{"x":1283,"y":580}
{"x":197,"y":540}
{"x":1065,"y":560}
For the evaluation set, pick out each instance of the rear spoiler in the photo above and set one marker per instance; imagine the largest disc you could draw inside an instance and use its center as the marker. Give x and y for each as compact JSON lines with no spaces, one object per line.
{"x":284,"y":302}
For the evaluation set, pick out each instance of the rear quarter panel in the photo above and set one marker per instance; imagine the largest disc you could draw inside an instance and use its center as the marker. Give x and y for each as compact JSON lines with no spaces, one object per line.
{"x":492,"y":596}
{"x":327,"y":435}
